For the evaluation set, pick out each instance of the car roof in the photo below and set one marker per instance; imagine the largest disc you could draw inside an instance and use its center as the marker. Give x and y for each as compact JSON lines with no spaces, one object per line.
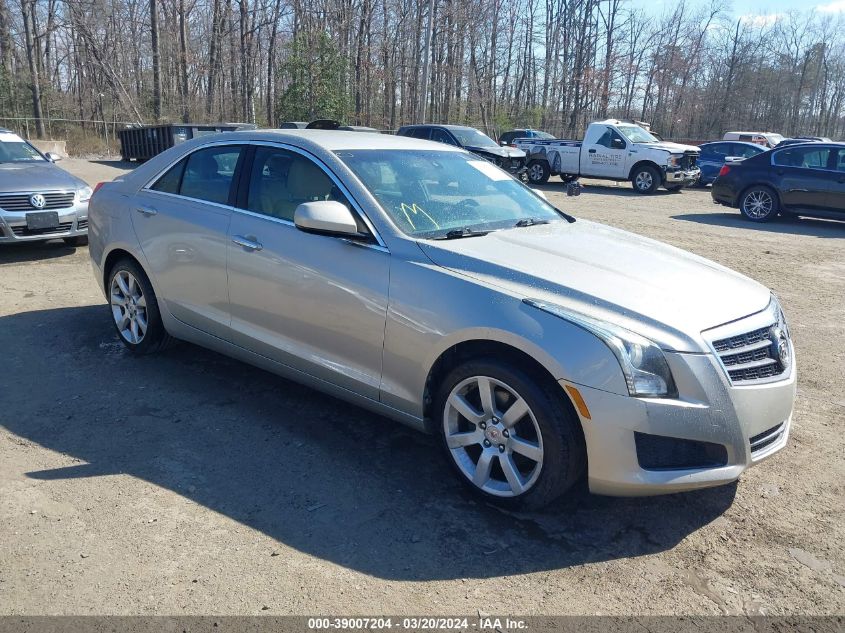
{"x":330,"y":140}
{"x":733,"y":142}
{"x":448,"y":126}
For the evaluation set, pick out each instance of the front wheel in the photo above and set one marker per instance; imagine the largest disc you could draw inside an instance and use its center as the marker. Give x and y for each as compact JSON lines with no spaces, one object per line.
{"x":758,"y":204}
{"x":538,"y":172}
{"x":135,"y":310}
{"x":645,"y":179}
{"x":508,"y":434}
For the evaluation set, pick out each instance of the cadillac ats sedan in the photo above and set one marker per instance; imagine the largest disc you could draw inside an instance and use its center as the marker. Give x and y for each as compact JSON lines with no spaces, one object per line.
{"x":425,"y":283}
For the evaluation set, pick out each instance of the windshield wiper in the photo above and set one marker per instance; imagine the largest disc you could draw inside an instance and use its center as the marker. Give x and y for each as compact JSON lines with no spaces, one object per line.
{"x":456,"y":234}
{"x":530,"y":222}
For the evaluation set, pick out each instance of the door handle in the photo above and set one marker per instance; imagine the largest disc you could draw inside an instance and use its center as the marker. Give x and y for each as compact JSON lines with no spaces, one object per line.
{"x":146,"y":211}
{"x":592,"y":151}
{"x":250,"y":245}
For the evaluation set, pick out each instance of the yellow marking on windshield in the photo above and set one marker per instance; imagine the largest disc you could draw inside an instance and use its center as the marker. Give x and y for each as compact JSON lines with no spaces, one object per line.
{"x":416,"y":210}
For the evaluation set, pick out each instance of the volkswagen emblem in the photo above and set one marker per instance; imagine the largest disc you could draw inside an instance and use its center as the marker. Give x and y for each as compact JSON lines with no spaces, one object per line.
{"x":37,"y":200}
{"x":780,"y":346}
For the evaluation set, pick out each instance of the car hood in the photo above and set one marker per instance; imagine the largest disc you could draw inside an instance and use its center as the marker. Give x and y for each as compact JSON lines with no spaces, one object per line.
{"x":501,"y":152}
{"x":674,"y":148}
{"x":30,"y":177}
{"x":656,"y":290}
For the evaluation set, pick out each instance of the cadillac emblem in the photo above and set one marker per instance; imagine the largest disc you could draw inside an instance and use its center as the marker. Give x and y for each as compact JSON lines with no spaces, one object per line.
{"x":37,"y":200}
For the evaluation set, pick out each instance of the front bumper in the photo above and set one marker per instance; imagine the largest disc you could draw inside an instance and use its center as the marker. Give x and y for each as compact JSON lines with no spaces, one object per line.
{"x":684,"y":177}
{"x":73,"y":222}
{"x":746,"y":423}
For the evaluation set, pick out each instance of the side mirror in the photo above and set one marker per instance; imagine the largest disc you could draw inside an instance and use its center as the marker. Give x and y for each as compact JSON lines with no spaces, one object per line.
{"x":617,"y":143}
{"x":53,"y":157}
{"x":326,"y":217}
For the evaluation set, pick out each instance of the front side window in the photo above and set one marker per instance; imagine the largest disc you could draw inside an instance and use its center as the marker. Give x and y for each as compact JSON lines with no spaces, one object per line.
{"x":745,"y":151}
{"x":607,"y":139}
{"x":209,"y":173}
{"x":281,"y":180}
{"x":806,"y":157}
{"x":429,"y":193}
{"x":839,"y":164}
{"x":442,"y":136}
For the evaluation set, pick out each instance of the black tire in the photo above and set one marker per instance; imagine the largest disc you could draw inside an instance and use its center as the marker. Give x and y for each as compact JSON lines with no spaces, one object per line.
{"x":77,"y":240}
{"x":155,"y":337}
{"x":645,"y":179}
{"x":538,"y":172}
{"x":759,"y":204}
{"x":562,"y":441}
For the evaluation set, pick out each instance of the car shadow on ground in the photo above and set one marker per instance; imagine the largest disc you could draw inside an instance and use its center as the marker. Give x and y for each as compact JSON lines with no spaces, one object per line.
{"x":34,"y":251}
{"x":328,"y":479}
{"x":603,"y":189}
{"x":810,"y":227}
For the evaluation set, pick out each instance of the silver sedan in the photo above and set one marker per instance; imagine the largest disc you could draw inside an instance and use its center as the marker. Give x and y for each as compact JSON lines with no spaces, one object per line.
{"x":426,"y":284}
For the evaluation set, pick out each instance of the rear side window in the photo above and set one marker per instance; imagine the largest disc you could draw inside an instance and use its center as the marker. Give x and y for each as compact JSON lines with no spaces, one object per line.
{"x":807,"y":157}
{"x":209,"y":173}
{"x":839,"y":164}
{"x":418,"y":132}
{"x":172,"y":178}
{"x":441,"y":136}
{"x":744,"y":151}
{"x":717,"y":150}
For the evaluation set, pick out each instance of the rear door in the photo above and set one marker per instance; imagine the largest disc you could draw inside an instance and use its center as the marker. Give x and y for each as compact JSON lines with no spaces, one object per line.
{"x":182,"y":219}
{"x":711,"y":160}
{"x":604,"y":153}
{"x":802,"y":176}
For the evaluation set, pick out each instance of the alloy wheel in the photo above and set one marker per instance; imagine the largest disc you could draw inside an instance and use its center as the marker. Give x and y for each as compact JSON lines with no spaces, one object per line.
{"x":644,"y":181}
{"x":493,"y":436}
{"x":128,"y":306}
{"x":757,"y":204}
{"x":535,"y":172}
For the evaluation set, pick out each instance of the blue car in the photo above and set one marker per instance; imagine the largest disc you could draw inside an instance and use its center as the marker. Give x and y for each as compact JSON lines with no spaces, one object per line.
{"x":713,"y":156}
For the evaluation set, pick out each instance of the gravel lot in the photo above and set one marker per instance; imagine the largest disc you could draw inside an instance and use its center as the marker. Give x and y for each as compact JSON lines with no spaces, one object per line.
{"x":189,"y":483}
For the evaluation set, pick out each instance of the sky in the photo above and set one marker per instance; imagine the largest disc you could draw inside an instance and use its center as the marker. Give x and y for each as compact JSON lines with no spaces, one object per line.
{"x":752,"y":8}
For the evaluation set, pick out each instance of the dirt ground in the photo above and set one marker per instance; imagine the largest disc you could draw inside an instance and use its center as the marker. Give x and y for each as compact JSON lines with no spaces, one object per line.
{"x":189,"y":483}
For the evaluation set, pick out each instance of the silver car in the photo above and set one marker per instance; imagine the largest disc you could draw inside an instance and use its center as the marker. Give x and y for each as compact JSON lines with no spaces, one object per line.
{"x":38,"y":200}
{"x":426,"y":284}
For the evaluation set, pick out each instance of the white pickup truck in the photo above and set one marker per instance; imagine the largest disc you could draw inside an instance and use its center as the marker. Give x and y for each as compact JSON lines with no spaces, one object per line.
{"x":614,"y":150}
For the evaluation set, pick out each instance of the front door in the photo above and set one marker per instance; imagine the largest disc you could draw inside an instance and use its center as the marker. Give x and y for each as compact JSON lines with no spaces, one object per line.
{"x":606,"y":157}
{"x":182,"y":222}
{"x":803,"y":176}
{"x":313,"y":302}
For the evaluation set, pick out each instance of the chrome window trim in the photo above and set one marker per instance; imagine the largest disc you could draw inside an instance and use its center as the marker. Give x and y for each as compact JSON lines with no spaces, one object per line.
{"x":245,"y":143}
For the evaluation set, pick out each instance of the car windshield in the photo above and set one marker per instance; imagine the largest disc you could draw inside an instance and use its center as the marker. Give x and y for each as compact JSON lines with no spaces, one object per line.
{"x":636,"y":134}
{"x":471,"y":137}
{"x":14,"y":149}
{"x":431,"y":193}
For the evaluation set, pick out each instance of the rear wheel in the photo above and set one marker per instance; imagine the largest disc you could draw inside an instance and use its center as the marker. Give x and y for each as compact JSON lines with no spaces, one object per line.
{"x":509,"y":435}
{"x":135,"y":309}
{"x":758,"y":204}
{"x":538,"y":172}
{"x":645,"y":179}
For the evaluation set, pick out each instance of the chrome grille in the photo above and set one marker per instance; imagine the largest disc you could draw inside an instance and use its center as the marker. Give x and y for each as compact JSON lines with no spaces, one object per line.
{"x":22,"y":231}
{"x":20,"y":201}
{"x":750,"y":356}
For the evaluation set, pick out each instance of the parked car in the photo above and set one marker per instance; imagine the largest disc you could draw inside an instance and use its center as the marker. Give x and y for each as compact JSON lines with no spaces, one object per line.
{"x":614,"y":150}
{"x":804,"y":139}
{"x":359,"y":128}
{"x":715,"y":154}
{"x":416,"y":280}
{"x":508,"y":137}
{"x":472,"y":140}
{"x":38,"y":199}
{"x":766,"y":139}
{"x":804,"y":179}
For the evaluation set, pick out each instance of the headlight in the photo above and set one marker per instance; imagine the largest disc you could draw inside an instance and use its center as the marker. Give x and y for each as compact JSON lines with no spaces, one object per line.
{"x":646,"y":371}
{"x":84,"y":194}
{"x":674,"y":160}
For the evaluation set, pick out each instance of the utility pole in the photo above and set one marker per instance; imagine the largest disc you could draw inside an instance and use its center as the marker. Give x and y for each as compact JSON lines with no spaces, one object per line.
{"x":423,"y":103}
